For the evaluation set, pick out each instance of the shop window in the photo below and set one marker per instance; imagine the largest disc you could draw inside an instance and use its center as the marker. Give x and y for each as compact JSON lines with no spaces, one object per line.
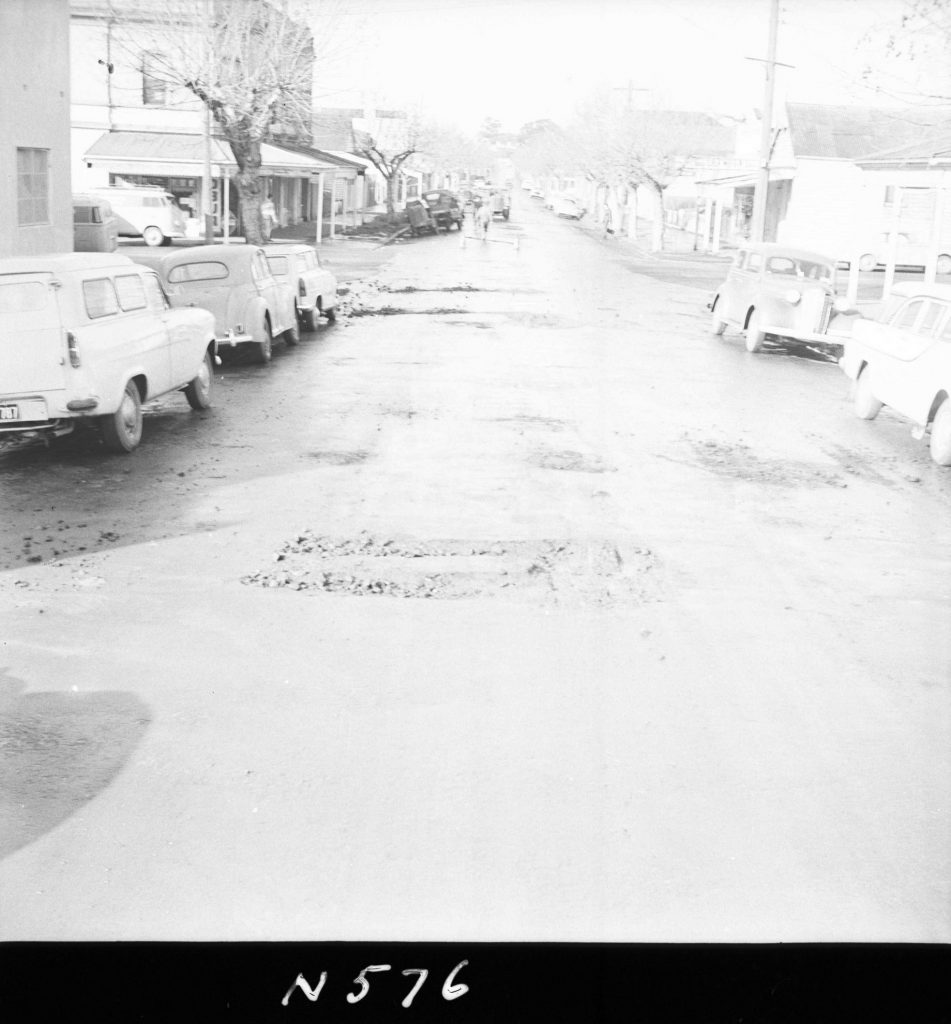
{"x":33,"y":186}
{"x":154,"y":84}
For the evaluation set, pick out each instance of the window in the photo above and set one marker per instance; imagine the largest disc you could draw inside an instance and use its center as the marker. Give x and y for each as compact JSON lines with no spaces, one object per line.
{"x":22,"y":297}
{"x":100,"y":298}
{"x":278,"y":265}
{"x":782,"y":265}
{"x":154,"y":85}
{"x":33,"y":186}
{"x":156,"y":297}
{"x":755,"y":261}
{"x":905,"y":318}
{"x":131,"y":291}
{"x":206,"y":271}
{"x":932,"y":315}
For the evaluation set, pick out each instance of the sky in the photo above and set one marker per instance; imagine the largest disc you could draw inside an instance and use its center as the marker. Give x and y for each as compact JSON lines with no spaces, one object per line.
{"x":461,"y":61}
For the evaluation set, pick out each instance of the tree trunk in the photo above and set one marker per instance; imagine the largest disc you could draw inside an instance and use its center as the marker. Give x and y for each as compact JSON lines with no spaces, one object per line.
{"x":658,"y":224}
{"x":392,"y":184}
{"x":247,"y":154}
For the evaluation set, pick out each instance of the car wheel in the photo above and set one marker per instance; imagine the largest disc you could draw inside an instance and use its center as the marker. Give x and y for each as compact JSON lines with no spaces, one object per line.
{"x":122,"y":430}
{"x":944,"y":264}
{"x":867,"y":262}
{"x":866,"y":405}
{"x":331,"y":314}
{"x":309,"y":319}
{"x":755,"y":335}
{"x":717,"y":325}
{"x":154,"y":236}
{"x":941,"y":434}
{"x":263,"y":348}
{"x":198,"y":391}
{"x":292,"y":335}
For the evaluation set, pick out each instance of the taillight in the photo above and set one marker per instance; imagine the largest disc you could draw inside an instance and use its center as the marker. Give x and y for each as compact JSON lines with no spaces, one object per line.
{"x":73,"y":346}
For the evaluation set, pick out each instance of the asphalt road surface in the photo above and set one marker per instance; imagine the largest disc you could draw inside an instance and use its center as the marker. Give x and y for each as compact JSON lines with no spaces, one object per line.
{"x":514,"y":606}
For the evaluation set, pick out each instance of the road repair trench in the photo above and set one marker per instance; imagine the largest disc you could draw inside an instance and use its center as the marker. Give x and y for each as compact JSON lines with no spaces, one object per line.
{"x":556,"y":571}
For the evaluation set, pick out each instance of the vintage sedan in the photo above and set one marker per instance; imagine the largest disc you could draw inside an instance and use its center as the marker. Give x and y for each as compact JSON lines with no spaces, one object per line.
{"x":444,"y":208}
{"x":777,"y":290}
{"x":236,"y":284}
{"x":298,"y":266}
{"x":903,"y":360}
{"x":90,"y":337}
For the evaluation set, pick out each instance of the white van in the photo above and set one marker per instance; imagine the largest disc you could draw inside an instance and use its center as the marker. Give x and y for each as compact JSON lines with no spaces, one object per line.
{"x":91,"y":336}
{"x":145,"y":211}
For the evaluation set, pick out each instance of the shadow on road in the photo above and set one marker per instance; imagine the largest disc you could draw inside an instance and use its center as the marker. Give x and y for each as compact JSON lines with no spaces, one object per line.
{"x":58,"y":751}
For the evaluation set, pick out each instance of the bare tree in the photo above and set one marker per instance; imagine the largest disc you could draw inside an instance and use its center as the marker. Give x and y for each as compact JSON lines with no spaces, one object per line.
{"x":250,"y":62}
{"x":909,"y":58}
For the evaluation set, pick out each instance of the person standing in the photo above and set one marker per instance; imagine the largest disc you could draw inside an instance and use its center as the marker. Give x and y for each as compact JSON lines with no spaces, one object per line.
{"x":268,"y":215}
{"x":484,"y":219}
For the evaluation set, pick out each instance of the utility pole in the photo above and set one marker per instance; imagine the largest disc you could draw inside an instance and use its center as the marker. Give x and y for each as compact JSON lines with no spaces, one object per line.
{"x":758,"y":228}
{"x":207,"y":206}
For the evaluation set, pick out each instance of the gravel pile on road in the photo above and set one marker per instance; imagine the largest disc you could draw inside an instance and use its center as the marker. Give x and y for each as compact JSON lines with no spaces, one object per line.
{"x":598,"y":572}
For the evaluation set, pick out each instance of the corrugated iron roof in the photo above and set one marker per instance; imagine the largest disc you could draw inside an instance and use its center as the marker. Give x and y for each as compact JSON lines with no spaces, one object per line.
{"x":849,"y":133}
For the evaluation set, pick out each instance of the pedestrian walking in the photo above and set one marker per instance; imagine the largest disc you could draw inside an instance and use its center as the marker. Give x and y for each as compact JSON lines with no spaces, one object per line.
{"x":484,"y":219}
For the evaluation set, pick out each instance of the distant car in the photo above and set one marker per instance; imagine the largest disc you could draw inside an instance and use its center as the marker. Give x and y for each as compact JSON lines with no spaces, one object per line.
{"x":145,"y":211}
{"x":903,"y":360}
{"x":91,"y":337}
{"x":908,"y":253}
{"x":298,"y":266}
{"x":236,"y":284}
{"x":568,"y":206}
{"x":95,"y":226}
{"x":778,"y":290}
{"x":444,"y":208}
{"x":501,"y":203}
{"x":536,"y":193}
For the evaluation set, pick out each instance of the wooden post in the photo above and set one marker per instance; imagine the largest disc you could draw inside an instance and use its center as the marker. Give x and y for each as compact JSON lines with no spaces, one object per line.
{"x":931,"y":264}
{"x":892,"y":244}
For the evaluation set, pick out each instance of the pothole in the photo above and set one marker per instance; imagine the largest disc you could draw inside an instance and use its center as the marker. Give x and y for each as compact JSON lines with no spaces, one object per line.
{"x":399,"y":311}
{"x":576,"y":462}
{"x":338,"y":458}
{"x":739,"y":461}
{"x":598,"y":572}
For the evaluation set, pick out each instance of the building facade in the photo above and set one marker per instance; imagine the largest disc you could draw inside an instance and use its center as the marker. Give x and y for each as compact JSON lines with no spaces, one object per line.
{"x":35,"y":204}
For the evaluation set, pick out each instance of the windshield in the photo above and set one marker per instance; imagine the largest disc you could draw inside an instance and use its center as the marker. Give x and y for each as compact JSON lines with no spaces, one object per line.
{"x":808,"y":270}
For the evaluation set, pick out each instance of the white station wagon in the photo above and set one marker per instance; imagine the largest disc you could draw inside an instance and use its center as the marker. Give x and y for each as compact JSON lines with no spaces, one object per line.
{"x":903,"y":360}
{"x":91,"y":336}
{"x":298,"y":265}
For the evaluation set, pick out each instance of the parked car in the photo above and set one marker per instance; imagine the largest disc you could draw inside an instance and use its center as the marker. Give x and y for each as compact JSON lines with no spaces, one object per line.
{"x":501,"y":203}
{"x":91,"y":336}
{"x":774,"y":289}
{"x":95,"y":226}
{"x":536,"y":193}
{"x":568,"y":206}
{"x":298,"y":266}
{"x":910,"y":251}
{"x":903,"y":360}
{"x":444,"y":208}
{"x":235,"y":283}
{"x":145,"y":211}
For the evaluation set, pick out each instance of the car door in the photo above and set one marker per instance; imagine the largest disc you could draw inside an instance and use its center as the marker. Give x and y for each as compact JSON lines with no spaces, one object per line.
{"x":32,"y":342}
{"x":123,"y":338}
{"x":181,"y":340}
{"x":906,"y":336}
{"x":279,"y":298}
{"x":728,"y":306}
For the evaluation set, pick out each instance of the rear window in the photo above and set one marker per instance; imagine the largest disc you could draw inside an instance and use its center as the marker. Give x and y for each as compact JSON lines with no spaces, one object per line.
{"x":131,"y":292}
{"x":22,"y":297}
{"x":278,"y":265}
{"x":207,"y":270}
{"x":100,"y":298}
{"x":87,"y":215}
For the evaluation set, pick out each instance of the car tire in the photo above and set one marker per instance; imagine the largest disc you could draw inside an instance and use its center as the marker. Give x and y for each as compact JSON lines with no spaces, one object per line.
{"x":199,"y":390}
{"x":867,"y":262}
{"x":866,"y":405}
{"x":717,"y":325}
{"x":262,"y":349}
{"x":309,"y":319}
{"x":944,"y":264}
{"x":755,"y":335}
{"x":291,"y":336}
{"x":331,"y":315}
{"x":154,"y":236}
{"x":941,"y":434}
{"x":122,"y":430}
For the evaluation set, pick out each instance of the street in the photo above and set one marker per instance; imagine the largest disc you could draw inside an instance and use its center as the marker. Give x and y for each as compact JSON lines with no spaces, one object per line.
{"x":513,"y":606}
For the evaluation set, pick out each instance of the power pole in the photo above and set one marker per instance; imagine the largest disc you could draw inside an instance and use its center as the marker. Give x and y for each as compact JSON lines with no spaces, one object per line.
{"x":758,"y":227}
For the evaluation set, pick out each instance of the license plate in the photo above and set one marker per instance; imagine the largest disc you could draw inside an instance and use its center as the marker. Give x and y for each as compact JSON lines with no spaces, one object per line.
{"x":9,"y":412}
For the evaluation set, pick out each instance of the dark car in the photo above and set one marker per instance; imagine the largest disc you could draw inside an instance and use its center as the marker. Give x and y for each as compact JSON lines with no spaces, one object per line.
{"x":444,"y":208}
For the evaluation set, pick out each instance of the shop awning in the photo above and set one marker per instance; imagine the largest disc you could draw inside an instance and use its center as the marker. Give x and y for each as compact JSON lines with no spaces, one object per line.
{"x":180,"y":155}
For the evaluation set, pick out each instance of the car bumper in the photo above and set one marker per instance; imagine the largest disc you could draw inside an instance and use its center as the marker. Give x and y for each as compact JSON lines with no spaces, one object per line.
{"x":231,"y":339}
{"x":813,"y":337}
